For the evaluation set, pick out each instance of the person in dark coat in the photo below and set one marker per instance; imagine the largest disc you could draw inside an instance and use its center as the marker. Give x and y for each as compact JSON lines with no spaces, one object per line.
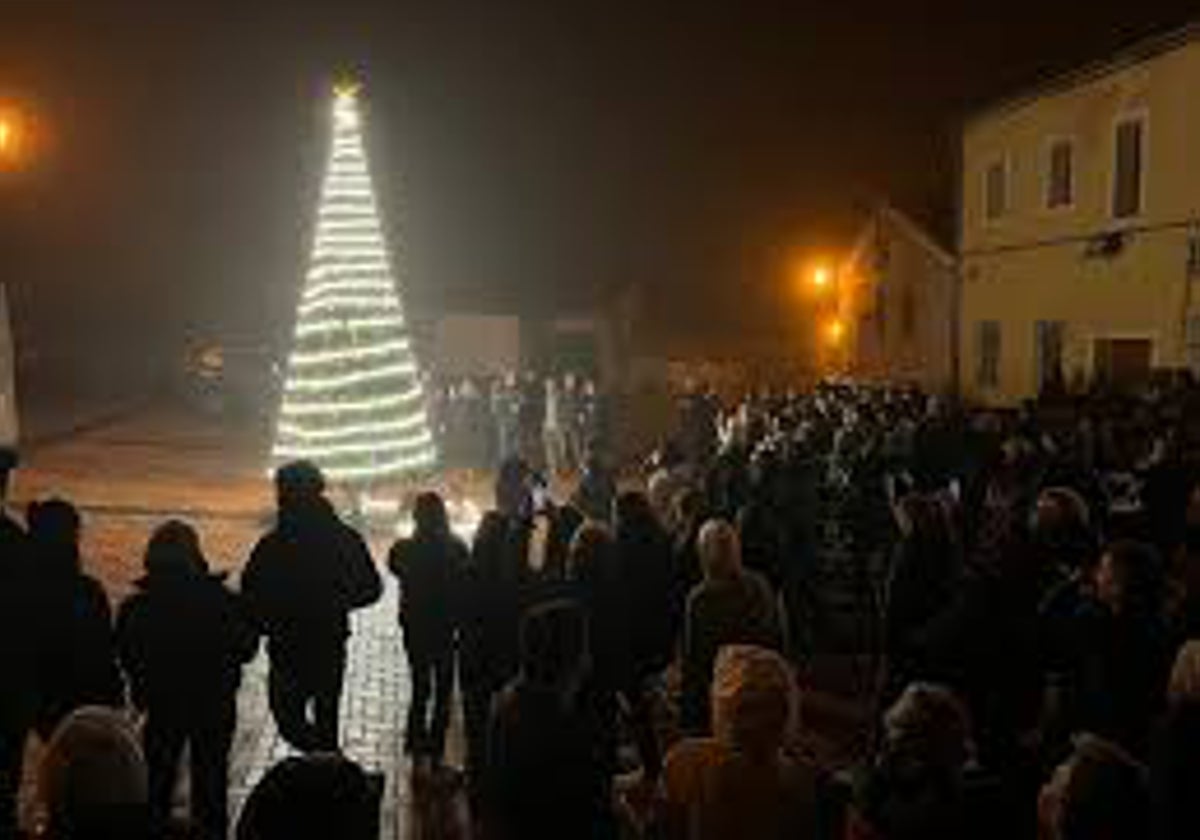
{"x":644,"y":557}
{"x":984,"y":645}
{"x":918,"y":785}
{"x":488,"y":630}
{"x":17,"y":654}
{"x":1175,"y":752}
{"x":923,"y":581}
{"x":731,"y":606}
{"x":76,"y":650}
{"x":429,"y":566}
{"x":183,"y":638}
{"x":302,"y":581}
{"x":1127,"y":649}
{"x":546,"y":773}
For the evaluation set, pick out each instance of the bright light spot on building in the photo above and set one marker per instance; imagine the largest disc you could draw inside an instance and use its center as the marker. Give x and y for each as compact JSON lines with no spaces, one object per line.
{"x":821,"y":277}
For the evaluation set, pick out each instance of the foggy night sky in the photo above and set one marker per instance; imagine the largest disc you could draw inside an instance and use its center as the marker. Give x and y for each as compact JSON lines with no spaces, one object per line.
{"x":538,"y":148}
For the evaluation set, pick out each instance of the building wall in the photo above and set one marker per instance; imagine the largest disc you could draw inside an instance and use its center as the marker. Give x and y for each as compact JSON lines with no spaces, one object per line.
{"x":903,"y":305}
{"x":1102,"y":277}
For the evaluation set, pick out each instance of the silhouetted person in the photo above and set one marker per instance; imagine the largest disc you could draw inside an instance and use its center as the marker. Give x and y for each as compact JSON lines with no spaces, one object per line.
{"x":76,"y":650}
{"x":429,"y":565}
{"x":318,"y":796}
{"x":488,"y":650}
{"x":17,"y":698}
{"x":301,"y":583}
{"x":731,"y":606}
{"x":597,"y":490}
{"x":92,"y":779}
{"x":183,"y":638}
{"x":547,"y":774}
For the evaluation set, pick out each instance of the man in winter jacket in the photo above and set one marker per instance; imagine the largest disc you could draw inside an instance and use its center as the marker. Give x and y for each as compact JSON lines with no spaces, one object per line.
{"x":301,"y":583}
{"x":183,"y":638}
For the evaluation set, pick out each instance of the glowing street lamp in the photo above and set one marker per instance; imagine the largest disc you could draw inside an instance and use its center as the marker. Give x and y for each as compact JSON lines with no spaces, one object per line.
{"x":835,"y":331}
{"x":14,"y":138}
{"x":821,"y":277}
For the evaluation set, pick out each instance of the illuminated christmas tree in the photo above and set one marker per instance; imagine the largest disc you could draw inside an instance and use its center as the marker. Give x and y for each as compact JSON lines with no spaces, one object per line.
{"x":352,"y":399}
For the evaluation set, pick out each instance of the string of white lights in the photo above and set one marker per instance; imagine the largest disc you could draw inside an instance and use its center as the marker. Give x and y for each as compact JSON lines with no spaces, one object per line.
{"x":349,"y":325}
{"x":326,"y":357}
{"x":421,"y":440}
{"x":347,"y":302}
{"x":383,"y":469}
{"x":352,"y":430}
{"x":357,"y":284}
{"x":347,"y":380}
{"x":318,"y":272}
{"x":311,"y":408}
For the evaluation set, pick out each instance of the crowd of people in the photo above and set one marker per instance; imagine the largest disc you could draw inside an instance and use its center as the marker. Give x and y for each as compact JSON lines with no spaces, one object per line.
{"x":630,"y":660}
{"x":550,"y":422}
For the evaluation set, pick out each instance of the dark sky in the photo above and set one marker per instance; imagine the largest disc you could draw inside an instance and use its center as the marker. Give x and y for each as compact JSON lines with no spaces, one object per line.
{"x":539,"y":149}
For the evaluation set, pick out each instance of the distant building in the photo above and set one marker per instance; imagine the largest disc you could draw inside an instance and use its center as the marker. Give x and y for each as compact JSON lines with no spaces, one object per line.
{"x":901,"y":293}
{"x":1080,"y":226}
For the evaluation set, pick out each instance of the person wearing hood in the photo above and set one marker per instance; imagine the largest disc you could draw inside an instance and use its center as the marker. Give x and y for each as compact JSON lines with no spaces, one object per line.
{"x":183,"y":638}
{"x":302,"y":581}
{"x":76,"y":660}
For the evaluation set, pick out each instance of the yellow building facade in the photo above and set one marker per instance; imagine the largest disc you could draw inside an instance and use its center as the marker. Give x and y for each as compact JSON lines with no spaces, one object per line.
{"x":1080,"y":227}
{"x":901,"y":304}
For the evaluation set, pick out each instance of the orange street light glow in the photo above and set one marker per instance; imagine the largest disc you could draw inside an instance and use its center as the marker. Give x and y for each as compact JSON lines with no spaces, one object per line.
{"x":13,"y":138}
{"x":835,"y":331}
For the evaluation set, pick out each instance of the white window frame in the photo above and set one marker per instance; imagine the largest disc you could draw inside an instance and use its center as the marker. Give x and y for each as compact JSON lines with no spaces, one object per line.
{"x":1142,"y":117}
{"x":1004,"y":161}
{"x":1052,"y":141}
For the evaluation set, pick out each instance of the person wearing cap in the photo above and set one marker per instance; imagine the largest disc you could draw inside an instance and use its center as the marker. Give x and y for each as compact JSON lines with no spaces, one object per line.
{"x":301,"y":583}
{"x":183,"y":638}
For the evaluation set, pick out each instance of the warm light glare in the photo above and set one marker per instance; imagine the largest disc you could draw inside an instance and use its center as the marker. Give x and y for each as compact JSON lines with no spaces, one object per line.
{"x":835,"y":330}
{"x":10,"y":139}
{"x":820,"y":277}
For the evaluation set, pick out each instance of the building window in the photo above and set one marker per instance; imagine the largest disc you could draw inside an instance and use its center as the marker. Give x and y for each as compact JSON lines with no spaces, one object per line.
{"x":995,"y":190}
{"x":1060,"y":175}
{"x":1128,"y":162}
{"x":987,"y":372}
{"x":1048,"y":351}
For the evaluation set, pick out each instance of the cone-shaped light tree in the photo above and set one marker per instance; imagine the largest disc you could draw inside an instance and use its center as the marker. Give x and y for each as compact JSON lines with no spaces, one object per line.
{"x":352,"y":399}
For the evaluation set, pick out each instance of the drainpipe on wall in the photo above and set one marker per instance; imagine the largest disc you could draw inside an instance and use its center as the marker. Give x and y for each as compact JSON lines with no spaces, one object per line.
{"x":1189,"y":271}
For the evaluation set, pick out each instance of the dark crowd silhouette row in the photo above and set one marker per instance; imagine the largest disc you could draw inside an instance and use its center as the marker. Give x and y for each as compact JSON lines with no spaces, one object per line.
{"x":638,"y":663}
